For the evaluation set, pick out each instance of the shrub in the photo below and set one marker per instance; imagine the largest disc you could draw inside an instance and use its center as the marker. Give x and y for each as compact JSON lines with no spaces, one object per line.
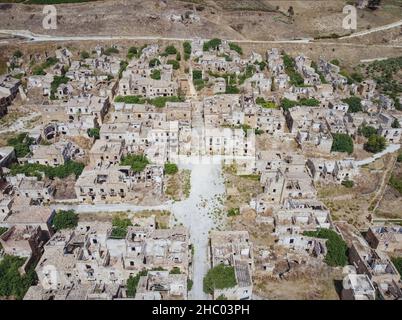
{"x":34,"y":169}
{"x":348,"y":183}
{"x":399,"y":159}
{"x":57,"y":81}
{"x":189,"y":284}
{"x":197,"y":74}
{"x":232,"y":90}
{"x":375,"y":144}
{"x":84,"y":55}
{"x":342,"y":143}
{"x":335,"y":62}
{"x":111,"y":50}
{"x":336,"y":247}
{"x":132,"y":52}
{"x":136,"y":162}
{"x":65,"y":220}
{"x":233,"y":212}
{"x":354,"y":104}
{"x":120,"y":226}
{"x":174,"y":63}
{"x":132,"y":283}
{"x":187,"y":50}
{"x":310,"y":102}
{"x":395,"y":124}
{"x":17,"y":54}
{"x":171,"y":168}
{"x":219,"y":277}
{"x":94,"y":133}
{"x":175,"y":270}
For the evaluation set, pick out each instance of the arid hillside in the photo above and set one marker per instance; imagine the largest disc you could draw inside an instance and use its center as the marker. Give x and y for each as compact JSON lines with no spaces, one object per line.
{"x":246,"y":19}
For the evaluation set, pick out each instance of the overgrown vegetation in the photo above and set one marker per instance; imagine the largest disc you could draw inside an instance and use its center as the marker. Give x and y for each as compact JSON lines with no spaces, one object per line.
{"x":12,"y":284}
{"x":375,"y":144}
{"x":342,"y":143}
{"x":397,"y":261}
{"x":57,"y":81}
{"x":136,"y":162}
{"x":171,"y":168}
{"x":354,"y":104}
{"x":336,"y":246}
{"x":212,"y":44}
{"x":39,"y":70}
{"x":219,"y":277}
{"x":366,"y":130}
{"x":36,"y":170}
{"x":296,"y":78}
{"x":120,"y":225}
{"x":158,"y":102}
{"x":233,"y":212}
{"x":94,"y":133}
{"x":387,"y":74}
{"x":235,"y":47}
{"x":156,"y":74}
{"x":265,"y":104}
{"x":21,"y":144}
{"x":65,"y":220}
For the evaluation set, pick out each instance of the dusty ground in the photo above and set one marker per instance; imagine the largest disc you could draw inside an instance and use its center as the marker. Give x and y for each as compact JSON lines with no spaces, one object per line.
{"x":178,"y":185}
{"x":255,"y":19}
{"x":162,"y":217}
{"x":318,"y":285}
{"x":391,"y":204}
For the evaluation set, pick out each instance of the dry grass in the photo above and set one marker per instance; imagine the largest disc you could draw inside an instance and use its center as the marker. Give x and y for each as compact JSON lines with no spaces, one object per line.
{"x":178,"y":186}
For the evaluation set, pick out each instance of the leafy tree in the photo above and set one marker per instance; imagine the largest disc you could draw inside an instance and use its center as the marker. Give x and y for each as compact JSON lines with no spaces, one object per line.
{"x":12,"y":284}
{"x":156,"y":74}
{"x":170,"y":50}
{"x":132,"y":52}
{"x":57,"y":81}
{"x":342,"y":143}
{"x":178,"y":56}
{"x":136,"y":162}
{"x":212,"y":44}
{"x":65,"y":220}
{"x":354,"y":104}
{"x":171,"y":168}
{"x":287,"y":104}
{"x":21,"y":144}
{"x":336,"y":246}
{"x":235,"y":47}
{"x":367,"y":131}
{"x":94,"y":133}
{"x":197,"y":74}
{"x":375,"y":144}
{"x":187,"y":50}
{"x":335,"y":62}
{"x":219,"y":277}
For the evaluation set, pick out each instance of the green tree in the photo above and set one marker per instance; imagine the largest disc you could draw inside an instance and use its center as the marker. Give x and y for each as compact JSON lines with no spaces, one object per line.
{"x":375,"y":144}
{"x":354,"y":104}
{"x":336,"y":247}
{"x":65,"y":220}
{"x":84,"y":55}
{"x":154,"y":62}
{"x":174,"y":63}
{"x":156,"y":74}
{"x":170,"y":50}
{"x":94,"y":133}
{"x":342,"y":143}
{"x":136,"y":162}
{"x":367,"y":131}
{"x":171,"y":168}
{"x":395,"y":124}
{"x":132,"y":283}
